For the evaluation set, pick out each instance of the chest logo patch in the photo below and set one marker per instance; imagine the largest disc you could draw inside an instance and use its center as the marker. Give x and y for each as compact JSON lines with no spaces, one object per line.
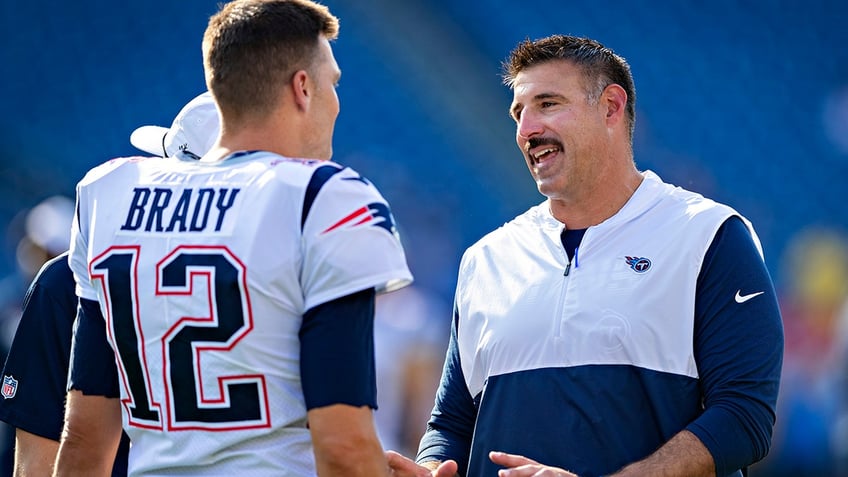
{"x":638,"y":264}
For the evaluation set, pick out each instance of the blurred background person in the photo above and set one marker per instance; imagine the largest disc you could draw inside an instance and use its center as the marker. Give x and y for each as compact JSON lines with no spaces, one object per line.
{"x":39,"y":233}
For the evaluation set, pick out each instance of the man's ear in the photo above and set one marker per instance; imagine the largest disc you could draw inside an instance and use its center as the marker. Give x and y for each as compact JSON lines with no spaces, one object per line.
{"x":614,"y":98}
{"x":301,"y":89}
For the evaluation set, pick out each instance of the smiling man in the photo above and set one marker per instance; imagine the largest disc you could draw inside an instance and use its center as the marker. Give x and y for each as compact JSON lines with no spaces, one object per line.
{"x":623,"y":326}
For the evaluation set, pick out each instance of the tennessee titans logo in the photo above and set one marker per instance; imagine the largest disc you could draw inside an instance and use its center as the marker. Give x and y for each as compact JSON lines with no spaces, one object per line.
{"x":639,"y":264}
{"x":10,"y":387}
{"x":375,"y":214}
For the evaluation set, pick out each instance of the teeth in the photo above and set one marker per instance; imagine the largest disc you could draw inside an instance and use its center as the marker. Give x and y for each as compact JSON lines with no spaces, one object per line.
{"x":543,"y":152}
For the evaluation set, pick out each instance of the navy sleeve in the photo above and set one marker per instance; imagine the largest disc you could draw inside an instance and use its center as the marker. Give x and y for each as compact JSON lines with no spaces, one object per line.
{"x":36,"y":368}
{"x":738,"y":350}
{"x":337,"y":352}
{"x":93,"y":370}
{"x":451,"y":424}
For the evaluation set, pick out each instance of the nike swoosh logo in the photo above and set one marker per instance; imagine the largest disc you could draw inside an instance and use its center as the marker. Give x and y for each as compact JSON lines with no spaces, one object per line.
{"x":743,"y":298}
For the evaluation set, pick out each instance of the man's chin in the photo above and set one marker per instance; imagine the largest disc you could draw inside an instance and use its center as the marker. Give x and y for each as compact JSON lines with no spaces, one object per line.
{"x":546,"y":188}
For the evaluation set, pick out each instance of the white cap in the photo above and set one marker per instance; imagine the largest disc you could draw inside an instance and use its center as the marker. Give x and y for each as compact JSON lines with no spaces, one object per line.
{"x":194,"y":130}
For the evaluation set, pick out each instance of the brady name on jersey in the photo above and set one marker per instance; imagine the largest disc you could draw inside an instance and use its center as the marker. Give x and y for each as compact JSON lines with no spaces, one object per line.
{"x":157,"y":209}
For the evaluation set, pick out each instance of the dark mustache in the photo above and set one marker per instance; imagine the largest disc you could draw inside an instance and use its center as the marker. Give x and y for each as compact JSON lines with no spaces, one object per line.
{"x":542,"y":141}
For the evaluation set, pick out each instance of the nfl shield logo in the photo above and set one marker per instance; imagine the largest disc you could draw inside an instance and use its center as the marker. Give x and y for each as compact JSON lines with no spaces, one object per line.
{"x":10,"y":387}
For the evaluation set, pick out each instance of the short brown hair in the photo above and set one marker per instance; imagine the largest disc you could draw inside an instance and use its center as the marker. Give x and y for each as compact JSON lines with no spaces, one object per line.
{"x":601,"y":66}
{"x":252,"y":47}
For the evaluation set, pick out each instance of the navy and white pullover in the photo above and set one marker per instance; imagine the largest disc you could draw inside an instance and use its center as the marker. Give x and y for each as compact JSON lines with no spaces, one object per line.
{"x":666,"y":319}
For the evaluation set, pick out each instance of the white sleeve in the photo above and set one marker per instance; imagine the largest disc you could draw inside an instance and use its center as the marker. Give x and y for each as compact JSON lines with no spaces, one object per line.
{"x":350,"y":242}
{"x":78,"y":255}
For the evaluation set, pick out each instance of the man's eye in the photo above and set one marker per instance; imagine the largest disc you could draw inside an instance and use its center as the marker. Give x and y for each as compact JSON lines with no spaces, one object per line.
{"x":547,"y":104}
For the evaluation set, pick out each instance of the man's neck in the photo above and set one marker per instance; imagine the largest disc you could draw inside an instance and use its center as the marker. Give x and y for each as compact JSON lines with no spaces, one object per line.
{"x":272,"y":133}
{"x":598,"y":204}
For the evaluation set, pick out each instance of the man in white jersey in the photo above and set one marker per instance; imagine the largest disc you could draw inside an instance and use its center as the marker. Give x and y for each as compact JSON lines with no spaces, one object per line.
{"x":237,"y":290}
{"x":622,"y":327}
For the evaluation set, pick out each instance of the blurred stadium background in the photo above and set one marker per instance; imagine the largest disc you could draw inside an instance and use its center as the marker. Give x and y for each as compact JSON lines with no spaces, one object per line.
{"x":743,"y":101}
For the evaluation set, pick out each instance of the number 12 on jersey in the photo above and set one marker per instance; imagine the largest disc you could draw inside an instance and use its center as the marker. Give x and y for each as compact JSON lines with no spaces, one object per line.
{"x":242,"y":400}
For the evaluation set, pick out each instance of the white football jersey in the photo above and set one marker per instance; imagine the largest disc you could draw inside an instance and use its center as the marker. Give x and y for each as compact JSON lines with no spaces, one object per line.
{"x":203,"y":272}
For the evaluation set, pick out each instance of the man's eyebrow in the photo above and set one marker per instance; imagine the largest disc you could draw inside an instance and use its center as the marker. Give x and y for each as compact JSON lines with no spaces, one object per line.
{"x":513,"y":111}
{"x":542,"y":96}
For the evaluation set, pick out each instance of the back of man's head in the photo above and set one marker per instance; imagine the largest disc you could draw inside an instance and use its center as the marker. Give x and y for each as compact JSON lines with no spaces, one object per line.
{"x":252,"y":47}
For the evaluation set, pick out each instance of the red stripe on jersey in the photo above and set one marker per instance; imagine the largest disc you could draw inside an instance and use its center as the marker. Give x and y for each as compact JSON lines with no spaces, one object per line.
{"x":347,"y":219}
{"x":366,"y":219}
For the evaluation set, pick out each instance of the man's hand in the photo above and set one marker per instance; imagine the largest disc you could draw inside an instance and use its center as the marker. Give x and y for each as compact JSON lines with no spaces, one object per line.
{"x":520,"y":466}
{"x":401,"y":466}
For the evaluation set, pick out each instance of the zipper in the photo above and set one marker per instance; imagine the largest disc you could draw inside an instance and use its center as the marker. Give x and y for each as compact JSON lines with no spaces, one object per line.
{"x":572,"y":260}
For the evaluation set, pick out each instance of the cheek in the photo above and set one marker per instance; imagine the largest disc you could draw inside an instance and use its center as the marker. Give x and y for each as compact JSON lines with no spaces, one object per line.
{"x":331,"y":109}
{"x":520,"y":144}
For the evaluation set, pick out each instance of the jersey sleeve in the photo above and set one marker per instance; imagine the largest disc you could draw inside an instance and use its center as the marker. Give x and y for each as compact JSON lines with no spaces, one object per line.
{"x":738,"y":348}
{"x":349,"y":241}
{"x":86,"y":197}
{"x":337,"y":356}
{"x":78,"y":253}
{"x":37,"y":364}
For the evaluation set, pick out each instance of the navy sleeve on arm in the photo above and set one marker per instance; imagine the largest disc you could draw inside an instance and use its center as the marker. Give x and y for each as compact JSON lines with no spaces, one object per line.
{"x":93,"y":370}
{"x":37,"y":364}
{"x":451,"y":424}
{"x":337,"y":352}
{"x":738,"y":350}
